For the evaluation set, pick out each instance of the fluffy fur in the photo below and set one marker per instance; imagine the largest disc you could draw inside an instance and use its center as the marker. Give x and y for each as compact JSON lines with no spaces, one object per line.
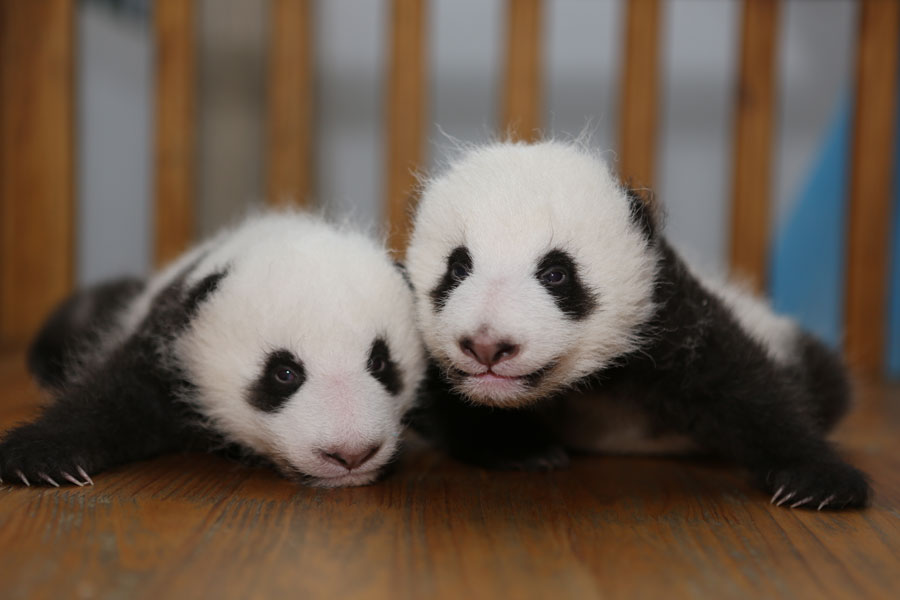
{"x":285,"y":339}
{"x":558,"y":316}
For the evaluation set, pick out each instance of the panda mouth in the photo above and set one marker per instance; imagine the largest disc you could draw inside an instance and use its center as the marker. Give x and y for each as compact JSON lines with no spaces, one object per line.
{"x":531,"y":379}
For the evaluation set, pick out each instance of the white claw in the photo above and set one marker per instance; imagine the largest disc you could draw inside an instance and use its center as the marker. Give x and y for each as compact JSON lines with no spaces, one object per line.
{"x":776,"y":494}
{"x":825,"y":502}
{"x":22,"y":477}
{"x":71,"y":479}
{"x":48,"y":479}
{"x":786,"y":498}
{"x":801,"y":502}
{"x":87,"y":477}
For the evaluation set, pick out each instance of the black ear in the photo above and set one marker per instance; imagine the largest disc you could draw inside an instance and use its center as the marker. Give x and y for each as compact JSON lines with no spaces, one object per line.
{"x":202,"y":290}
{"x":644,"y":210}
{"x":402,"y":268}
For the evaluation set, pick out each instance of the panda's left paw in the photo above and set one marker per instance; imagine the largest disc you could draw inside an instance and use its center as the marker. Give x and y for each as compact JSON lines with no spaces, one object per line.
{"x":28,"y":459}
{"x":818,"y":486}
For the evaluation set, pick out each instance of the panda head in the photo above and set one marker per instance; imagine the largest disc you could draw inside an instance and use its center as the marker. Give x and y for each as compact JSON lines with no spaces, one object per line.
{"x":532,"y":268}
{"x":304,"y":348}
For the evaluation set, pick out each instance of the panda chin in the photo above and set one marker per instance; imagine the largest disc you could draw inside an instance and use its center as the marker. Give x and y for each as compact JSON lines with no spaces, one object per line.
{"x":501,"y":391}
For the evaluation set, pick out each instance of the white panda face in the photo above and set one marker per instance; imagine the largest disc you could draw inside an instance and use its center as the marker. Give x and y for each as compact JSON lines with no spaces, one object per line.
{"x":307,"y":352}
{"x":530,"y":271}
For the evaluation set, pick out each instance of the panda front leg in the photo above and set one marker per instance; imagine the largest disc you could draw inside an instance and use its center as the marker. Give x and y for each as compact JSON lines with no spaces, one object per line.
{"x":761,"y":428}
{"x":485,"y":436}
{"x":122,"y":411}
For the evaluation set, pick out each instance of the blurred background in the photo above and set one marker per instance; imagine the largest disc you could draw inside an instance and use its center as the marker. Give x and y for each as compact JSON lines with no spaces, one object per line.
{"x":582,"y":45}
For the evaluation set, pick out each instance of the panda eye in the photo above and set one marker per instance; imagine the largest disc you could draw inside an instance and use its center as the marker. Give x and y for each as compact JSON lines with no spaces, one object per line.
{"x":376,"y":364}
{"x":554,"y":276}
{"x":284,"y":375}
{"x":459,"y":270}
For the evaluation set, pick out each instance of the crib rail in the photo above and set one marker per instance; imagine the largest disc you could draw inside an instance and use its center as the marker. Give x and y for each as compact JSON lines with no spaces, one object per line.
{"x":36,"y":165}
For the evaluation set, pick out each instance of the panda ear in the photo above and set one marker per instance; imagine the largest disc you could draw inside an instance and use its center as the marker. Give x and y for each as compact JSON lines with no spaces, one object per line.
{"x":644,"y":210}
{"x":202,"y":290}
{"x":404,"y":272}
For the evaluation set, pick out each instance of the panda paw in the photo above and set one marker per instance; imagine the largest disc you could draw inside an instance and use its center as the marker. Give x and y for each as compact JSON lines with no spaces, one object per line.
{"x":545,"y":458}
{"x":832,"y":486}
{"x":31,"y":462}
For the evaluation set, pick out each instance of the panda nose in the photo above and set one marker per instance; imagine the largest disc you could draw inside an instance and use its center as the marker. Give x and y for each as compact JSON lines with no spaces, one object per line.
{"x":350,"y":459}
{"x":488,"y":351}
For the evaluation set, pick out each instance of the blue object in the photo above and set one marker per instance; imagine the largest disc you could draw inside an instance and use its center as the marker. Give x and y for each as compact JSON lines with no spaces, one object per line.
{"x":807,"y":262}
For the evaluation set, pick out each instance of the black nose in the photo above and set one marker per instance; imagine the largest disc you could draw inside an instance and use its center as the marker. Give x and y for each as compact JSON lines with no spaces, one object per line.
{"x":488,"y":351}
{"x":348,"y":458}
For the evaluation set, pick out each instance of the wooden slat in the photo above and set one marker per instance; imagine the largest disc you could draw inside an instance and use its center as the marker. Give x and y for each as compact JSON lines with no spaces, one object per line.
{"x":36,"y":162}
{"x":521,"y":113}
{"x":175,"y":133}
{"x":406,"y":114}
{"x":754,"y":133}
{"x":871,"y":184}
{"x":289,"y":115}
{"x":640,"y":94}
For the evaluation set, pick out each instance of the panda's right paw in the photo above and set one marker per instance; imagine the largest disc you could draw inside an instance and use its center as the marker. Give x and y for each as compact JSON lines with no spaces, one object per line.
{"x":29,"y":459}
{"x":829,"y":485}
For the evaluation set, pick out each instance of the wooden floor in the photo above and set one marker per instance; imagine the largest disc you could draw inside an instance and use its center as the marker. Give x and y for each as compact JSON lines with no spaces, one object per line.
{"x":199,"y":526}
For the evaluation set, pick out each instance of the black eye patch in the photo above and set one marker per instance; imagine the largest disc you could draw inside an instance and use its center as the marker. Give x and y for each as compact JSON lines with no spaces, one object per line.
{"x":558,"y":274}
{"x":281,"y":376}
{"x":382,"y":368}
{"x":459,"y":266}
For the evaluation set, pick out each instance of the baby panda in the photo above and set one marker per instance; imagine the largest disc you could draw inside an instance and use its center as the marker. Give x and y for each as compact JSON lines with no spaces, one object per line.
{"x":286,"y":339}
{"x":558,"y":318}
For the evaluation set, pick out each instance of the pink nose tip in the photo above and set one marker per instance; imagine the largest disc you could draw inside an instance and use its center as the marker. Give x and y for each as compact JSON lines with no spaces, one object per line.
{"x":350,"y":459}
{"x":488,"y":351}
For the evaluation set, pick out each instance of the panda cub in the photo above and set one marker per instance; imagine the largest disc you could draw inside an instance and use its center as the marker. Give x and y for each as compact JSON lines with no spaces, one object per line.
{"x":285,"y":339}
{"x":559,"y":318}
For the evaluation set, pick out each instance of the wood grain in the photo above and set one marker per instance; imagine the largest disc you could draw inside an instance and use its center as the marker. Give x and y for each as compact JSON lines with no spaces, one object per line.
{"x":289,"y":116}
{"x":406,"y":106}
{"x":608,"y":527}
{"x":754,"y":130}
{"x":522,"y":87}
{"x":639,"y":100}
{"x":175,"y":127}
{"x":871,"y":184}
{"x":36,"y":162}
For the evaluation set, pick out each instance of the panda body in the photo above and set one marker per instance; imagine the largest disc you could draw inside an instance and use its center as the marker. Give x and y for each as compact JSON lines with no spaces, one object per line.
{"x":558,"y":317}
{"x":286,"y":339}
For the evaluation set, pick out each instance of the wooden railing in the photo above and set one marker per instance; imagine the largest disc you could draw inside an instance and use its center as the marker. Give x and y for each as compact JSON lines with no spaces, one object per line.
{"x":36,"y":173}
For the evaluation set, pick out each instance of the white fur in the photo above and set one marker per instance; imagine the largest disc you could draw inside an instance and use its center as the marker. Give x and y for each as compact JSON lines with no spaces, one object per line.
{"x":297,"y":283}
{"x":510,"y":204}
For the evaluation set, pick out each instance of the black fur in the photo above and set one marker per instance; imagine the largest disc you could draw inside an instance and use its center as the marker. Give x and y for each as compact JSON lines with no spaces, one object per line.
{"x":571,"y":296}
{"x":123,"y":407}
{"x":698,"y":374}
{"x":643,"y":211}
{"x":75,"y":328}
{"x":495,"y":438}
{"x":462,"y":260}
{"x":202,"y":290}
{"x":383,"y":368}
{"x":268,"y":393}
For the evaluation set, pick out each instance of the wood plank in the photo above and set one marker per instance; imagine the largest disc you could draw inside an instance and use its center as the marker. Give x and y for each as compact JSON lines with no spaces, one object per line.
{"x":290,"y":111}
{"x":753,"y":142}
{"x":638,"y":122}
{"x":36,"y":162}
{"x":871,"y":180}
{"x":191,"y":526}
{"x":175,"y":127}
{"x":522,"y":88}
{"x":406,"y":106}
